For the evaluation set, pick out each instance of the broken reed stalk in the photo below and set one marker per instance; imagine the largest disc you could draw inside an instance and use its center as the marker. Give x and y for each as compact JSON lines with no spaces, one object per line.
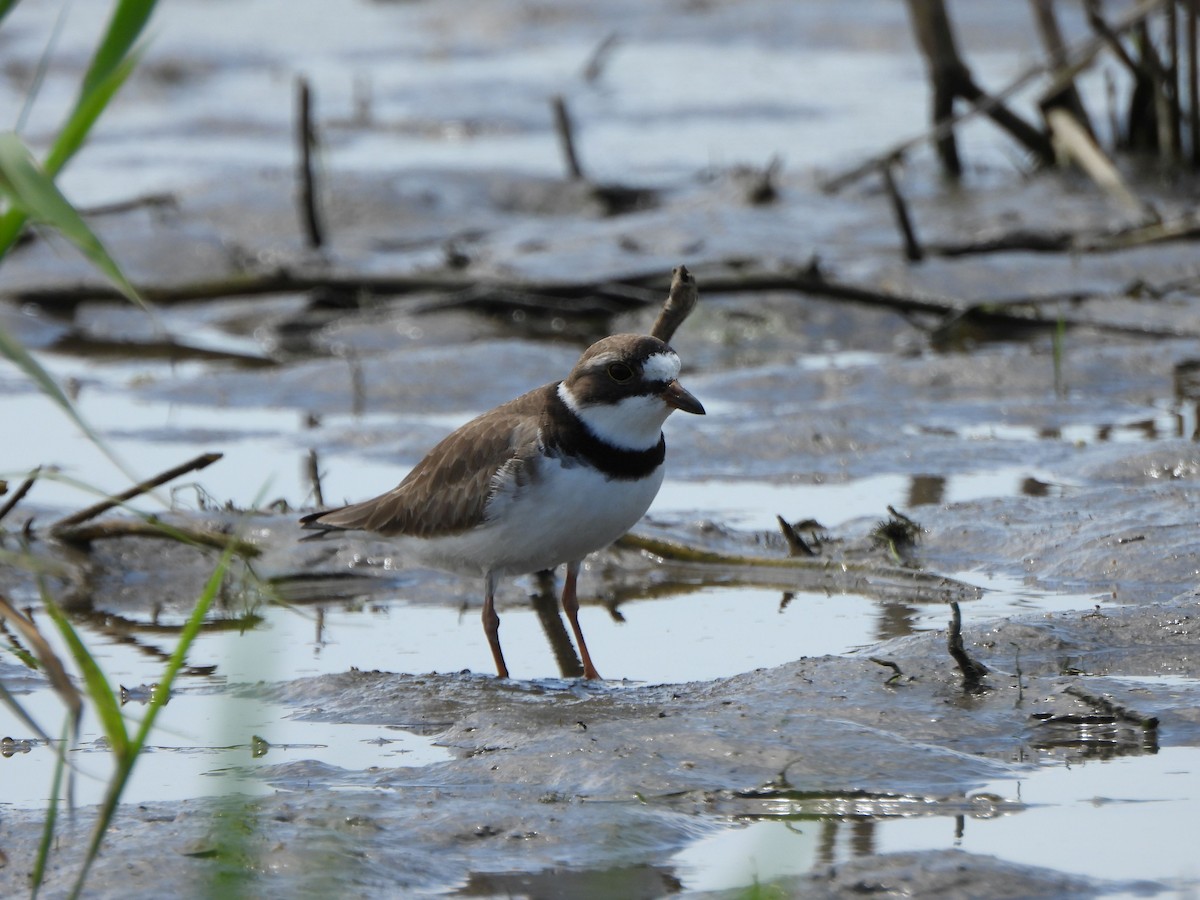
{"x":797,"y":546}
{"x":313,"y":471}
{"x":566,"y":137}
{"x":681,"y":300}
{"x":306,"y":141}
{"x":912,"y":246}
{"x":19,"y":493}
{"x":1056,"y":52}
{"x":1078,"y":59}
{"x":599,"y":58}
{"x":1116,"y":710}
{"x":1078,"y":144}
{"x":972,"y":670}
{"x":951,"y":78}
{"x":202,"y":461}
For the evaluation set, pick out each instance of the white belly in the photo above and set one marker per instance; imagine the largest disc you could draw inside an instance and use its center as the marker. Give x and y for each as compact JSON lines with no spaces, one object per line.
{"x":567,"y":514}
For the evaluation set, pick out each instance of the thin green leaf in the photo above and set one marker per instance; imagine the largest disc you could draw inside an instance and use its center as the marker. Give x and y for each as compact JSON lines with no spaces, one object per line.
{"x":104,"y":699}
{"x":159,"y":697}
{"x":19,"y":711}
{"x":128,"y":20}
{"x":31,"y":189}
{"x":6,"y":6}
{"x":39,"y":74}
{"x":38,"y":876}
{"x":21,"y":358}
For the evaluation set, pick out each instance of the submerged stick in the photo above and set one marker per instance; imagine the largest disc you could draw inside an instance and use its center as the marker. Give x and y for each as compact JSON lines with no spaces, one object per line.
{"x":680,"y":302}
{"x":202,"y":461}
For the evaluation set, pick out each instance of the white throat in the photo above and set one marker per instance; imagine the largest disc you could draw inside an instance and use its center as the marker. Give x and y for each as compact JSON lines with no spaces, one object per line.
{"x":634,"y":423}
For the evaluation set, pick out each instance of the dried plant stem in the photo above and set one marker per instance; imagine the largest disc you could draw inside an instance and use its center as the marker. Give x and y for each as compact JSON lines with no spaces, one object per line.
{"x":200,"y":462}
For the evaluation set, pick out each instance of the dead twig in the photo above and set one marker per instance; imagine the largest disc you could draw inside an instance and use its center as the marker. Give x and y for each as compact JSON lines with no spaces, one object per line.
{"x":912,"y":246}
{"x":681,"y":300}
{"x":49,"y":662}
{"x":599,"y":58}
{"x":797,"y":546}
{"x":1080,"y":146}
{"x":566,"y":137}
{"x":193,"y":465}
{"x":1067,"y":97}
{"x":82,"y":535}
{"x":888,"y":664}
{"x":972,"y":670}
{"x":19,"y":493}
{"x":306,"y":142}
{"x":1078,"y":58}
{"x":1109,"y":707}
{"x":313,"y":471}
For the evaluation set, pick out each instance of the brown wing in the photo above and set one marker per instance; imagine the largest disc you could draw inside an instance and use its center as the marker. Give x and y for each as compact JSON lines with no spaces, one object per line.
{"x":449,"y":489}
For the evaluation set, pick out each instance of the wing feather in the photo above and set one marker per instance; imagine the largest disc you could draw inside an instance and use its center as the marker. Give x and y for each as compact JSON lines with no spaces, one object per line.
{"x":449,"y":490}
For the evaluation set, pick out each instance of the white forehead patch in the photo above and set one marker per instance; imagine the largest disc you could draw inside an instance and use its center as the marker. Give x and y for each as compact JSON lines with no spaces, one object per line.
{"x":661,"y":367}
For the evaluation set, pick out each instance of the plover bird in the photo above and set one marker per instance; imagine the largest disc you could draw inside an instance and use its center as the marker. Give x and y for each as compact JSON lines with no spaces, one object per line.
{"x":542,"y":480}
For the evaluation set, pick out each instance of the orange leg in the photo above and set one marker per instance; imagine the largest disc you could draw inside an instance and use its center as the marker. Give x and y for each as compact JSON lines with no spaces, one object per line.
{"x":570,"y":605}
{"x":491,"y":626}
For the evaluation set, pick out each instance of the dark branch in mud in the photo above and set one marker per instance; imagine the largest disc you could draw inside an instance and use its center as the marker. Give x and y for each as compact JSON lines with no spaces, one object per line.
{"x":797,"y":546}
{"x":599,"y":58}
{"x":972,"y":670}
{"x":566,"y":137}
{"x":306,"y":142}
{"x":680,"y":302}
{"x":83,"y":535}
{"x":202,"y":461}
{"x":888,"y":664}
{"x":912,"y":246}
{"x":1077,"y":59}
{"x":313,"y":471}
{"x":19,"y":493}
{"x":1124,"y":713}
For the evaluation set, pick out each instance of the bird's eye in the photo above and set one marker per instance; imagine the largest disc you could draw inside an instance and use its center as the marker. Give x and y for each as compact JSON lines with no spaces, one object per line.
{"x":620,"y":373}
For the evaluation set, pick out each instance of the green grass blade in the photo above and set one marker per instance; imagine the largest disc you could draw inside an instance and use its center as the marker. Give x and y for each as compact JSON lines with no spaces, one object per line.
{"x":6,"y":6}
{"x":111,"y":65}
{"x":125,"y":765}
{"x":23,"y":360}
{"x":39,"y":74}
{"x":43,"y":855}
{"x":17,"y":710}
{"x":33,"y":191}
{"x":104,"y":700}
{"x":124,"y":28}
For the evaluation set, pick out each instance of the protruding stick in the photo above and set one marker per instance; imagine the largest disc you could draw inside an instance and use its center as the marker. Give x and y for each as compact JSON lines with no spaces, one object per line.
{"x":306,"y":139}
{"x":566,"y":137}
{"x":912,"y":246}
{"x":202,"y":461}
{"x":19,"y":493}
{"x":679,"y":304}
